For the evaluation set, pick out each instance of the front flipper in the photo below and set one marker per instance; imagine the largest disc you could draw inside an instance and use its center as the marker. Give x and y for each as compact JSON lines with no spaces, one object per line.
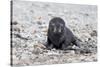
{"x":49,"y":45}
{"x":66,"y":46}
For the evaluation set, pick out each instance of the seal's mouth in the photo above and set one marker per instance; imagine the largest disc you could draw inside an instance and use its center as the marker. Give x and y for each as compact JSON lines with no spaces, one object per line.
{"x":56,"y":40}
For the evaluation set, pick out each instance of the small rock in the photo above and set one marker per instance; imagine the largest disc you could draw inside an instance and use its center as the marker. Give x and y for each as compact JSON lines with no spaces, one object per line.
{"x":40,"y":46}
{"x":19,"y":36}
{"x":86,"y":25}
{"x":14,"y":23}
{"x":94,"y":33}
{"x":37,"y":51}
{"x":86,"y":14}
{"x":89,"y":39}
{"x":39,"y":22}
{"x":31,"y":11}
{"x":16,"y":29}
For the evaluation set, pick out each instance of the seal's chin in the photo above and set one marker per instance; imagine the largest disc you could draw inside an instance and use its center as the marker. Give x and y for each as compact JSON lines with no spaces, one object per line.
{"x":57,"y":45}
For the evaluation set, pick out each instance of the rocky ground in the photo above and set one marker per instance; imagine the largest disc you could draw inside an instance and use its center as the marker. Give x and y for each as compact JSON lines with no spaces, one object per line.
{"x":29,"y":33}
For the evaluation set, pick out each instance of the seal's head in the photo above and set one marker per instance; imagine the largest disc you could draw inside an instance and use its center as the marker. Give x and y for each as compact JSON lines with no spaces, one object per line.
{"x":57,"y":25}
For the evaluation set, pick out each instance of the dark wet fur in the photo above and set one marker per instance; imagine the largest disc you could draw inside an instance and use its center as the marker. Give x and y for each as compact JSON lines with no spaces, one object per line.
{"x":59,"y":40}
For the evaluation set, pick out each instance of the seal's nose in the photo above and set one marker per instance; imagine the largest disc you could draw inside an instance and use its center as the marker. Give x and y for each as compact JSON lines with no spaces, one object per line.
{"x":55,"y":30}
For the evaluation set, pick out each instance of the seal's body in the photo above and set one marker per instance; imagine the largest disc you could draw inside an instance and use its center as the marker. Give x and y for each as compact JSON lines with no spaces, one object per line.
{"x":59,"y":36}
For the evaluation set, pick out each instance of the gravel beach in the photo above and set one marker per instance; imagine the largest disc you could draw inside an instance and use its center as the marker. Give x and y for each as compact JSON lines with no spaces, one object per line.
{"x":30,"y":22}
